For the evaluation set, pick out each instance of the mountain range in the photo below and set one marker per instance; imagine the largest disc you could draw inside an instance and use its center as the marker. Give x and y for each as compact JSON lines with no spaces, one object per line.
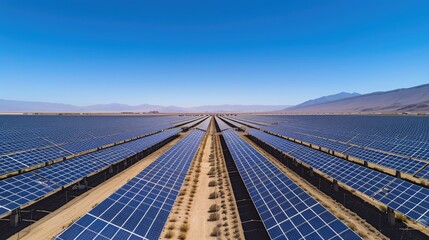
{"x":330,"y":98}
{"x":405,"y":100}
{"x":410,"y":100}
{"x":12,"y":106}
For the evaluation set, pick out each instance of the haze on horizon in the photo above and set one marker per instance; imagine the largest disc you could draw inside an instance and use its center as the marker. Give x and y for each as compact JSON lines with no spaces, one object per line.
{"x":192,"y":53}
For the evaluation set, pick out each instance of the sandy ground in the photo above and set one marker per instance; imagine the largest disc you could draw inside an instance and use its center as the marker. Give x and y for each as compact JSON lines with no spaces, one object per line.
{"x":53,"y":223}
{"x":191,"y":212}
{"x":359,"y":225}
{"x":200,"y":228}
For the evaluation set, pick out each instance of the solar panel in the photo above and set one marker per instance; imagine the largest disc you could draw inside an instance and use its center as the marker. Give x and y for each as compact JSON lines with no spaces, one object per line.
{"x":34,"y":140}
{"x":39,"y":156}
{"x":389,"y":160}
{"x":410,"y":199}
{"x":22,"y":189}
{"x":66,"y":172}
{"x":190,"y":124}
{"x":406,"y":136}
{"x":140,"y":208}
{"x":19,"y":145}
{"x":10,"y":165}
{"x":401,"y":164}
{"x":234,"y":123}
{"x":181,"y":122}
{"x":287,"y":211}
{"x":244,"y":122}
{"x":222,"y":125}
{"x":204,"y":125}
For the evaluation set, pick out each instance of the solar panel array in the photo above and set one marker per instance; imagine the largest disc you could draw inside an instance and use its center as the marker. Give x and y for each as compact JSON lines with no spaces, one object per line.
{"x":204,"y":125}
{"x":186,"y":120}
{"x":23,"y":189}
{"x":28,"y":141}
{"x":140,"y":208}
{"x":287,"y":211}
{"x":222,"y":125}
{"x":364,"y":141}
{"x":407,"y":198}
{"x":234,"y":123}
{"x":193,"y":123}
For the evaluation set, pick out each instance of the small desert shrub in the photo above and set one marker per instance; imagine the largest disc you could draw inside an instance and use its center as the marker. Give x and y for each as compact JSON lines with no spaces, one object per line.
{"x":182,"y":236}
{"x":182,"y":192}
{"x":216,"y":232}
{"x":213,"y":195}
{"x":214,"y":208}
{"x":169,"y":235}
{"x":171,"y":227}
{"x":213,"y":217}
{"x":184,"y":227}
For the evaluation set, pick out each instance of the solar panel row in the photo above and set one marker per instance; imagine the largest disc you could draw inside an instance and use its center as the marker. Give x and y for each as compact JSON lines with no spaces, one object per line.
{"x":29,"y":132}
{"x":204,"y":125}
{"x":402,"y":164}
{"x":182,"y":122}
{"x":406,"y":136}
{"x":388,"y":160}
{"x":191,"y":124}
{"x":238,"y":125}
{"x":33,"y":147}
{"x":140,"y":208}
{"x":20,"y":190}
{"x":222,"y":125}
{"x":286,"y":210}
{"x":236,"y":120}
{"x":407,"y":198}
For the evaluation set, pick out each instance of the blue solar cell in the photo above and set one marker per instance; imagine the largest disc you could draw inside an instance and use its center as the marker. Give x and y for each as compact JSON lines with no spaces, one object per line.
{"x":424,"y":173}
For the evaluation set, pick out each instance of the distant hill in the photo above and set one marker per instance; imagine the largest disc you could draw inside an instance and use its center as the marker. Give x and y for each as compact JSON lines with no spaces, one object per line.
{"x":412,"y":100}
{"x":11,"y":106}
{"x":24,"y":106}
{"x":330,"y":98}
{"x":237,"y":108}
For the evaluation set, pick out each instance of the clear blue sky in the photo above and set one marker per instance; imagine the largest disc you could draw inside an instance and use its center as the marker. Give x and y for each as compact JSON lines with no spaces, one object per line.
{"x":190,"y":53}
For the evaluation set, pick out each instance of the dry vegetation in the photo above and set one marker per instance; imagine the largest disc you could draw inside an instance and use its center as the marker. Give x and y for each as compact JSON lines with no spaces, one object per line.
{"x":205,"y":207}
{"x":224,"y":212}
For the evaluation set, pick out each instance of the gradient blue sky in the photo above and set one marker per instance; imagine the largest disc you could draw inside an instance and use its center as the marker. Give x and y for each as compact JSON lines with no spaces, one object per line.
{"x":190,"y":53}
